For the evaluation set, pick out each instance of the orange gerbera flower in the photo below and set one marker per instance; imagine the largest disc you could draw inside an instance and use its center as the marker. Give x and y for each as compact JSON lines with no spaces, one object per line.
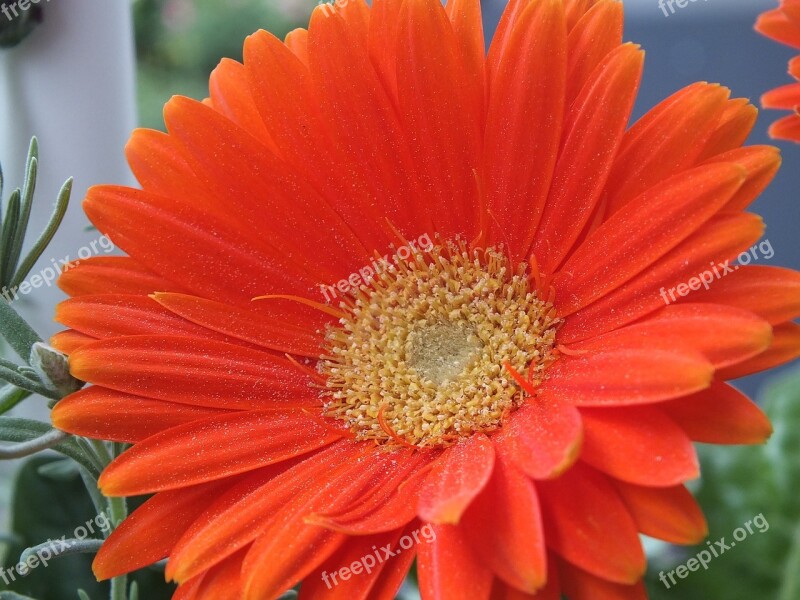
{"x":486,"y":315}
{"x":783,"y":24}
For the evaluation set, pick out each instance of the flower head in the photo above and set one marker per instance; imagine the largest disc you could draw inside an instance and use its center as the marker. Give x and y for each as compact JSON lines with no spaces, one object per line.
{"x":486,"y":309}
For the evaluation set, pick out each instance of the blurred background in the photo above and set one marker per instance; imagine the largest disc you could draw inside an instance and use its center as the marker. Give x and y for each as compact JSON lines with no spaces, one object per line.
{"x":134,"y":57}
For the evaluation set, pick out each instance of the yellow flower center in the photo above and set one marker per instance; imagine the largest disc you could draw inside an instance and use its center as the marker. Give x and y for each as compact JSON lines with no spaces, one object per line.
{"x":421,"y":355}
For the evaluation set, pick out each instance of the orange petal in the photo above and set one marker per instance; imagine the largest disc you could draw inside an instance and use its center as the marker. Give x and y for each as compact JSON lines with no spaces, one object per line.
{"x":290,"y":107}
{"x":580,"y":585}
{"x":665,"y":141}
{"x":785,"y":347}
{"x":551,"y":591}
{"x":224,"y":580}
{"x":575,"y":10}
{"x":525,"y":114}
{"x":157,"y":162}
{"x":69,"y":341}
{"x":670,"y":514}
{"x":112,"y":275}
{"x":262,"y":329}
{"x":100,"y":413}
{"x":170,"y":368}
{"x":363,"y":117}
{"x":761,"y":164}
{"x":441,"y":118}
{"x":643,"y":231}
{"x":151,"y":531}
{"x":234,"y":268}
{"x":212,"y":448}
{"x":543,"y":438}
{"x":622,"y":376}
{"x":114,"y":315}
{"x":785,"y":97}
{"x":264,"y":184}
{"x":777,"y":25}
{"x":361,"y":564}
{"x":720,"y":239}
{"x":720,"y":415}
{"x":236,"y":516}
{"x":723,"y":334}
{"x":449,"y":570}
{"x":734,"y":127}
{"x":594,"y":128}
{"x":391,"y":578}
{"x":290,"y":548}
{"x":230,"y":94}
{"x":384,"y":19}
{"x":787,"y":128}
{"x":773,"y":293}
{"x":587,"y":523}
{"x":356,"y":15}
{"x":465,"y":16}
{"x":501,"y":40}
{"x":297,"y":41}
{"x":595,"y":35}
{"x":510,"y":541}
{"x":455,"y":479}
{"x":638,"y":444}
{"x":389,"y":505}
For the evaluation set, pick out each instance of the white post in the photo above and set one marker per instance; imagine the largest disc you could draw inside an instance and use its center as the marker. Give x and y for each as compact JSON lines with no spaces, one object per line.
{"x":72,"y":84}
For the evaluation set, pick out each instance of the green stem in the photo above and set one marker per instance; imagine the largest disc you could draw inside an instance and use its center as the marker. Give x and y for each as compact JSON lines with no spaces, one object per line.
{"x":88,"y":449}
{"x":119,"y":588}
{"x":98,"y":500}
{"x":75,"y":546}
{"x":101,"y":451}
{"x":43,"y":442}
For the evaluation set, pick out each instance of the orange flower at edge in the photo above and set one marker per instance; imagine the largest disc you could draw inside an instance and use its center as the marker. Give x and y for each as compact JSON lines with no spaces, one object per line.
{"x":521,"y":386}
{"x":783,"y":25}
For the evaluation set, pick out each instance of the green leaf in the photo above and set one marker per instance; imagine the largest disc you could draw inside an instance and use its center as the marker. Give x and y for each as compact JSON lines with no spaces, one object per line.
{"x":14,"y":429}
{"x":7,"y":236}
{"x":17,"y":332}
{"x":60,"y":209}
{"x":10,"y":396}
{"x":15,"y":375}
{"x":26,"y":203}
